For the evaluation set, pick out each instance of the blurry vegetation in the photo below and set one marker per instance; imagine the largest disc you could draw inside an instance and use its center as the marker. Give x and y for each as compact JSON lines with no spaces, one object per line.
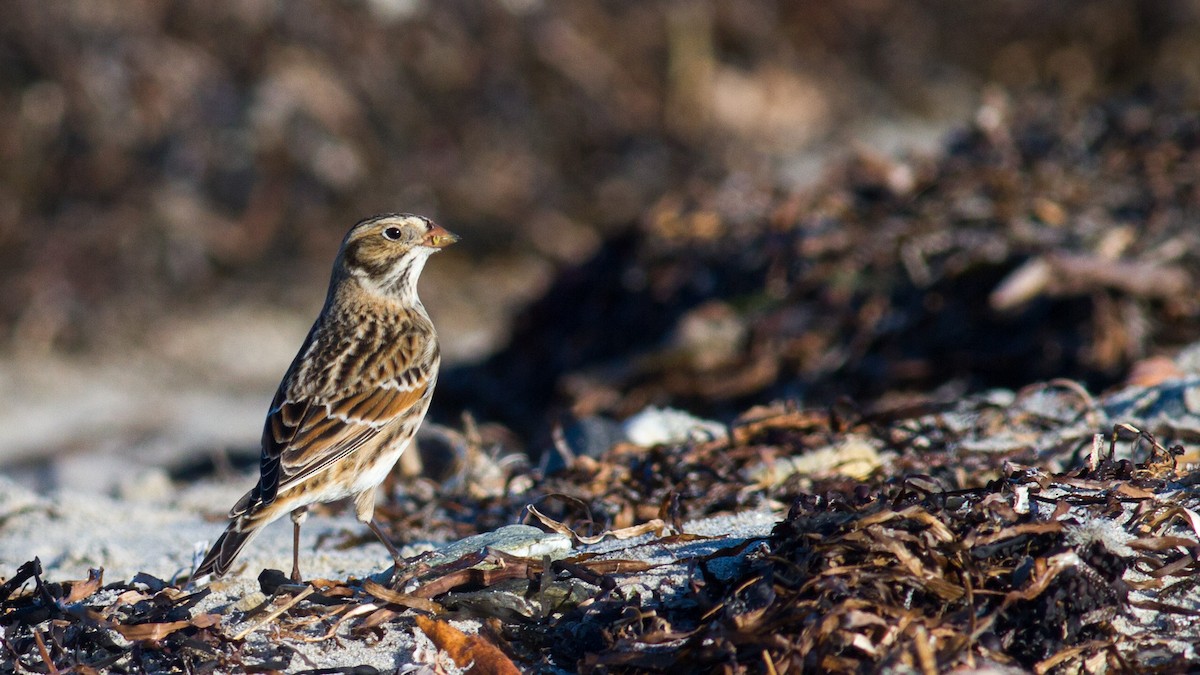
{"x":155,"y":153}
{"x":672,"y":160}
{"x":1048,"y":239}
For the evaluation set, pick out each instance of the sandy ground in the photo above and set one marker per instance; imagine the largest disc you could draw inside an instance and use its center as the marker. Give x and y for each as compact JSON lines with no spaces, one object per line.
{"x":159,"y":533}
{"x":165,"y":530}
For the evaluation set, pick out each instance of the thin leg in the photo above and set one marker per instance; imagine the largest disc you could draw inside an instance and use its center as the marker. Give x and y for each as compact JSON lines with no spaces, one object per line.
{"x":384,"y":540}
{"x":298,"y":517}
{"x":364,"y":509}
{"x":295,"y":553}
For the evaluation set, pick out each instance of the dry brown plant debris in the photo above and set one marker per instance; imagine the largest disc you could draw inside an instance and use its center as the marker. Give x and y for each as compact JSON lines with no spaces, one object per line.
{"x":920,"y":565}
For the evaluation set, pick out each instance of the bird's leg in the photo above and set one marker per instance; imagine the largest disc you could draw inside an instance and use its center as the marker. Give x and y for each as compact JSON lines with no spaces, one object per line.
{"x":364,"y":509}
{"x":298,"y":516}
{"x":384,"y":540}
{"x":394,"y":579}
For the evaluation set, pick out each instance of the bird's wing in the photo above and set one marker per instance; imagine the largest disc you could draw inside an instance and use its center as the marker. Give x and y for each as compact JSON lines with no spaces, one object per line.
{"x":307,"y":432}
{"x":312,"y":437}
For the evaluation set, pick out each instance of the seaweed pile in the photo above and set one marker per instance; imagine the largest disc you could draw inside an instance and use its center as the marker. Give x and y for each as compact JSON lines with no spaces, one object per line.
{"x":1069,"y":572}
{"x":1049,"y":238}
{"x":1002,"y":530}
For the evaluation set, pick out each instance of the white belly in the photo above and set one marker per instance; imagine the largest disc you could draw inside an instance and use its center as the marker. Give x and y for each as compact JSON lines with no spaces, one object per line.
{"x":374,"y":474}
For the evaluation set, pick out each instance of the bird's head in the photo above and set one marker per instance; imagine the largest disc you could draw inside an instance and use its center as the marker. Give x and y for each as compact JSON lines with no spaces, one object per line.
{"x":385,"y":254}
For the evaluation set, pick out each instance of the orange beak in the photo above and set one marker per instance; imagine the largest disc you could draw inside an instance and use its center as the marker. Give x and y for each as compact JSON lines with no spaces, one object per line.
{"x":439,"y":237}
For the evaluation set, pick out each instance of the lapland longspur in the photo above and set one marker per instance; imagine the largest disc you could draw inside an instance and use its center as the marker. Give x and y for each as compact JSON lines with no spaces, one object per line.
{"x":356,"y":392}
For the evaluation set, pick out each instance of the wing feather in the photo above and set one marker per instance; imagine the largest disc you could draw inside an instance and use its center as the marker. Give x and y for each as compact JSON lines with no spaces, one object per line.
{"x":311,"y":428}
{"x":331,"y":432}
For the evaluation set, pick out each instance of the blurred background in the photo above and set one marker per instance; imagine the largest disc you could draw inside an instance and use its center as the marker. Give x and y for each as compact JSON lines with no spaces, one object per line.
{"x":175,"y":178}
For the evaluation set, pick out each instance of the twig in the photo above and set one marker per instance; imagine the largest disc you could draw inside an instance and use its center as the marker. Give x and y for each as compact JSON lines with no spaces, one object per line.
{"x":270,"y":616}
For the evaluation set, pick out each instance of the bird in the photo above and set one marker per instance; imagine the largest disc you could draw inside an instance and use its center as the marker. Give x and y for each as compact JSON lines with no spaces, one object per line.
{"x":355,"y":394}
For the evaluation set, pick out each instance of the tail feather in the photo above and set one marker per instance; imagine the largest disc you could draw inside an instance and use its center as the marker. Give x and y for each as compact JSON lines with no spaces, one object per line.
{"x":226,"y":548}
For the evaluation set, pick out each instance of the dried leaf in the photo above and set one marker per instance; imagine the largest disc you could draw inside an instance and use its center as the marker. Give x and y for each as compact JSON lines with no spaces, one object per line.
{"x":471,"y":652}
{"x":84,"y":589}
{"x":154,"y":632}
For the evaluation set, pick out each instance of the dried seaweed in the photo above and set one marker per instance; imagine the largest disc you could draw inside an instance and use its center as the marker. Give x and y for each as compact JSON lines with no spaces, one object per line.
{"x":918,"y":564}
{"x":83,"y":626}
{"x":1032,"y":570}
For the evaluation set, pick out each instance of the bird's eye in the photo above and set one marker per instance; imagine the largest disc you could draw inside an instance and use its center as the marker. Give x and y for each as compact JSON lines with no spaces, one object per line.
{"x":392,"y":233}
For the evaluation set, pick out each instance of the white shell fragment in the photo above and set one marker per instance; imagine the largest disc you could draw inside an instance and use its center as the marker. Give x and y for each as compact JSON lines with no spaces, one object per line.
{"x":660,"y":426}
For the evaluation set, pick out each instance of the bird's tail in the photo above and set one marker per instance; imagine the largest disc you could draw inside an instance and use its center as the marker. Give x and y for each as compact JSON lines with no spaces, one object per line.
{"x":227,"y":546}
